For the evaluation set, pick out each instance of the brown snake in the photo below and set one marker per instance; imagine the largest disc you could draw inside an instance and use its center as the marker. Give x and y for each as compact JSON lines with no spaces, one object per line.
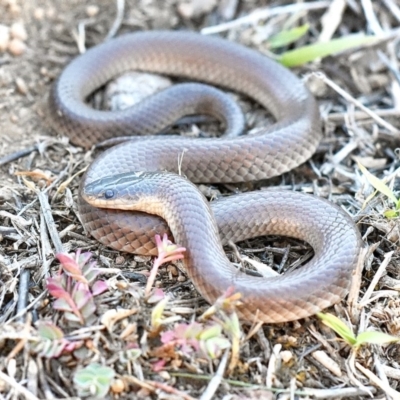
{"x":233,"y":158}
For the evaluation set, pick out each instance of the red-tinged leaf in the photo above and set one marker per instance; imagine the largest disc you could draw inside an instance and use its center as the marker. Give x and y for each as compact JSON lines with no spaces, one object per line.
{"x":88,"y":311}
{"x":157,"y":295}
{"x":68,"y":263}
{"x":81,"y":294}
{"x":83,"y":258}
{"x":173,"y":257}
{"x":71,"y":346}
{"x":91,"y":272}
{"x":74,"y":317}
{"x":71,"y":267}
{"x":167,"y":337}
{"x":55,"y":288}
{"x":63,"y":305}
{"x":68,"y":305}
{"x":166,"y":248}
{"x":158,"y":365}
{"x":99,"y":287}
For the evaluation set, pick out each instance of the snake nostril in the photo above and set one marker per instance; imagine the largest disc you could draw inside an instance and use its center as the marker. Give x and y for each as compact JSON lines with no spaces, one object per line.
{"x":109,"y":194}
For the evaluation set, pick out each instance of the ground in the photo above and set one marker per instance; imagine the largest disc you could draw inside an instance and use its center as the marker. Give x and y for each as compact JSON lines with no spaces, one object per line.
{"x":358,"y":95}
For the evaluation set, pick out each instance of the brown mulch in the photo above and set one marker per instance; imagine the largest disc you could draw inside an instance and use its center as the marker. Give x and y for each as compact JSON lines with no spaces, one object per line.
{"x":302,"y":359}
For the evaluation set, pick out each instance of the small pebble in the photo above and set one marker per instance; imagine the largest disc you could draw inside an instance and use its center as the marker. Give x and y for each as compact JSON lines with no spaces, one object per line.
{"x":92,"y":10}
{"x":118,"y":386}
{"x":165,"y":375}
{"x":15,"y":9}
{"x":119,"y":260}
{"x":38,"y":13}
{"x":18,"y":31}
{"x":142,"y":259}
{"x":286,"y":356}
{"x":4,"y":37}
{"x":173,"y":270}
{"x":51,"y":12}
{"x":16,"y":47}
{"x":21,"y":86}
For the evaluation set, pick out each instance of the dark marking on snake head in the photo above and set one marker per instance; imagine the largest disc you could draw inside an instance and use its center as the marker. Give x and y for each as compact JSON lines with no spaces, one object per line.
{"x":109,"y":194}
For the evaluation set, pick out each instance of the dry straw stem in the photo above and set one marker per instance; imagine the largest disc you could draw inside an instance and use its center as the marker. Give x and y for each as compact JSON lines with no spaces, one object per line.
{"x":327,"y":362}
{"x":118,"y":20}
{"x":51,"y":225}
{"x":394,"y":131}
{"x":378,"y":274}
{"x":331,"y":20}
{"x":356,"y":281}
{"x":21,"y":390}
{"x":264,"y":13}
{"x":379,"y":382}
{"x":214,"y":383}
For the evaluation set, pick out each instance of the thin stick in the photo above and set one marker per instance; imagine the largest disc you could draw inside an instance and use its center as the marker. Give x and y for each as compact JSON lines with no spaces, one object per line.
{"x":265,"y":13}
{"x":18,"y":154}
{"x":378,"y":382}
{"x":357,"y":103}
{"x":51,"y":226}
{"x":375,"y":279}
{"x":17,"y":387}
{"x":118,"y":20}
{"x":214,"y":383}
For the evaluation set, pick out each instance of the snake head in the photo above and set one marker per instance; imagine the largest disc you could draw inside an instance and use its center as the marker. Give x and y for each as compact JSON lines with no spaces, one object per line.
{"x":114,"y":191}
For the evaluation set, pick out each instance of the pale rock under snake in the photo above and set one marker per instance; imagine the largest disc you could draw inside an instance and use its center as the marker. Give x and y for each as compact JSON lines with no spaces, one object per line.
{"x":134,"y":171}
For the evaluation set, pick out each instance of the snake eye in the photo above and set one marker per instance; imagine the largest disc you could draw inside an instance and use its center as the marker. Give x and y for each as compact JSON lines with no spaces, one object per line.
{"x":109,"y":194}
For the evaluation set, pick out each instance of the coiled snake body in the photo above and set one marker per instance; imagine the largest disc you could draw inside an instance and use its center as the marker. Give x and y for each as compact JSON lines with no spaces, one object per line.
{"x":232,"y":158}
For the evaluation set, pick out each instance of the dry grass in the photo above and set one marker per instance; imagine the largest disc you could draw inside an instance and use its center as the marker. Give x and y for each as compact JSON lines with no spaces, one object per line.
{"x":359,"y":96}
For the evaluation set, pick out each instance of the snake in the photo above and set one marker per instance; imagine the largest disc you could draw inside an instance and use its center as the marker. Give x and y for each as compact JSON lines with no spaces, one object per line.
{"x":146,"y":185}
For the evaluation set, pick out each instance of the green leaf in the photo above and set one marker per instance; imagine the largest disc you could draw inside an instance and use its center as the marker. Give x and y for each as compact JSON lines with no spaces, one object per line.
{"x":287,"y":37}
{"x":390,"y":214}
{"x":157,"y":312}
{"x":47,"y":330}
{"x":94,"y":380}
{"x":375,"y":338}
{"x":305,"y":54}
{"x":210,"y":332}
{"x":377,"y":183}
{"x":339,"y":327}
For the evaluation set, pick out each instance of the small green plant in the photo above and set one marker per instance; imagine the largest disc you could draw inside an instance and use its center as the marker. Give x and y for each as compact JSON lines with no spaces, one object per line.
{"x":226,"y":303}
{"x":219,"y":329}
{"x":348,"y":336}
{"x":167,"y":251}
{"x":94,"y":380}
{"x":132,"y":353}
{"x":207,"y":341}
{"x":75,"y":287}
{"x":305,"y":54}
{"x":52,"y":342}
{"x":381,"y":187}
{"x":287,"y":36}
